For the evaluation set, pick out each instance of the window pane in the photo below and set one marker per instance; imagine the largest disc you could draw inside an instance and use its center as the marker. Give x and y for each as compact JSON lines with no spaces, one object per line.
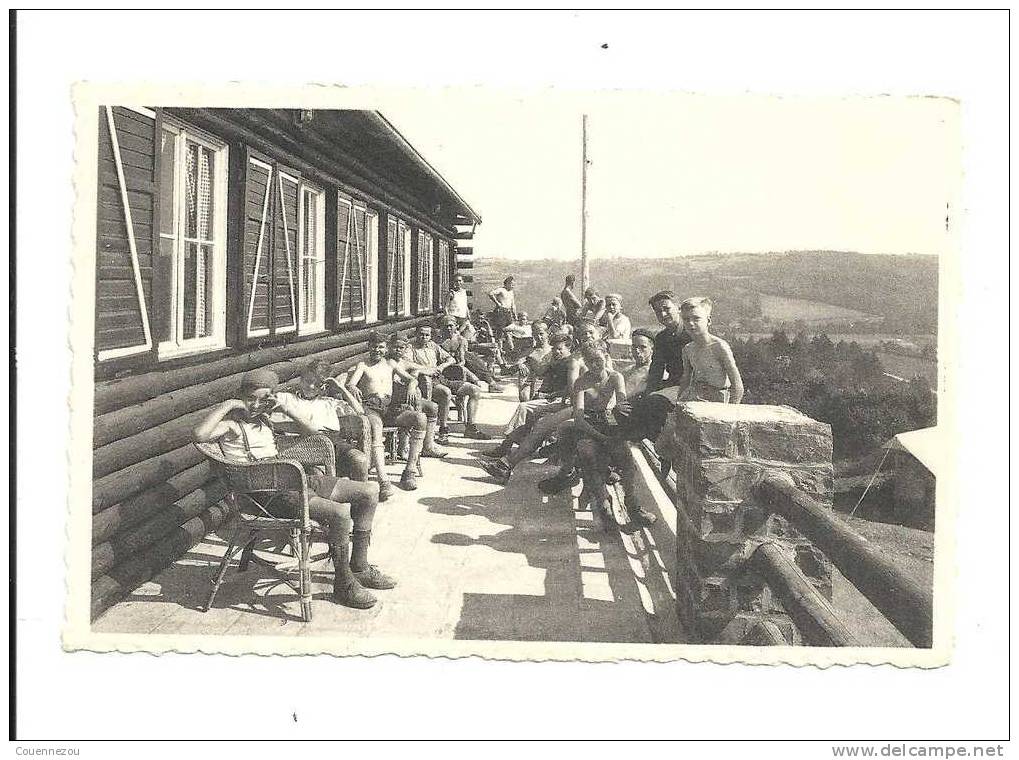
{"x":198,"y":192}
{"x":190,"y":289}
{"x":166,"y":162}
{"x":206,"y":317}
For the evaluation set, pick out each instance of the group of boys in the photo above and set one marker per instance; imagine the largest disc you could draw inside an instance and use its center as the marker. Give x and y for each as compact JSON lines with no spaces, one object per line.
{"x":569,"y":392}
{"x":408,"y":386}
{"x":591,"y":410}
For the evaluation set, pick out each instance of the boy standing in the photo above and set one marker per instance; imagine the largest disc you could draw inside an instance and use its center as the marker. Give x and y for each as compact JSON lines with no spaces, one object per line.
{"x":709,"y":369}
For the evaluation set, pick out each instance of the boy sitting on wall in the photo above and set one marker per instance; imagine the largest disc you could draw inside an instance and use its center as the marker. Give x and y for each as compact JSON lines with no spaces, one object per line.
{"x":709,"y":369}
{"x":244,"y":433}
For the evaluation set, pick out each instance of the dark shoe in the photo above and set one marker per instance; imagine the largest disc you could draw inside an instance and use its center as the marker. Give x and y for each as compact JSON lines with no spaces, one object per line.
{"x":354,"y":595}
{"x":442,"y":437}
{"x":612,"y":476}
{"x":474,"y":432}
{"x":434,"y":453}
{"x":385,"y":491}
{"x":556,"y":484}
{"x":408,"y":481}
{"x":497,"y":469}
{"x":372,"y":577}
{"x":641,"y":516}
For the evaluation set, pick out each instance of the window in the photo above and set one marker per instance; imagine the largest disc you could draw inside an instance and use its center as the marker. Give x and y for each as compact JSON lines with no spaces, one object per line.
{"x":190,"y":270}
{"x":311,"y":272}
{"x":425,"y":256}
{"x":357,"y":252}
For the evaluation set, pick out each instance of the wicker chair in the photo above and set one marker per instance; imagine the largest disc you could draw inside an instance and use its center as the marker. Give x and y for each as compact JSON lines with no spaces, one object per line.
{"x":253,"y":487}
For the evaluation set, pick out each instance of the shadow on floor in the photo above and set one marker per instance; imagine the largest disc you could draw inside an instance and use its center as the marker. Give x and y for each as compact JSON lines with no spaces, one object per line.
{"x":584,"y":598}
{"x":188,"y":582}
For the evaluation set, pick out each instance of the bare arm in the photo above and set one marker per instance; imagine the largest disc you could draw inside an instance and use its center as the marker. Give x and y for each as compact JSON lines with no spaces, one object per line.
{"x":408,"y":375}
{"x":214,"y":426}
{"x":729,"y":364}
{"x":687,"y":372}
{"x":583,"y":426}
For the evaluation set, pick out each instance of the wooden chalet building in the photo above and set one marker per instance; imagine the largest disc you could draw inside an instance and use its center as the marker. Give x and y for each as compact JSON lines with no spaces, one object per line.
{"x":229,"y":239}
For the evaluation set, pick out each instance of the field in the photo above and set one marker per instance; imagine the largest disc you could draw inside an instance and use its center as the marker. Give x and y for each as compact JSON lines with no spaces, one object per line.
{"x":784,"y":309}
{"x":908,"y":366}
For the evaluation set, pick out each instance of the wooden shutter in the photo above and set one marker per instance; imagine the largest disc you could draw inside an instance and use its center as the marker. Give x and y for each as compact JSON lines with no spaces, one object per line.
{"x":127,"y":204}
{"x":257,"y":258}
{"x":358,"y":255}
{"x":393,"y":278}
{"x":344,"y":218}
{"x":284,"y":269}
{"x":270,"y":256}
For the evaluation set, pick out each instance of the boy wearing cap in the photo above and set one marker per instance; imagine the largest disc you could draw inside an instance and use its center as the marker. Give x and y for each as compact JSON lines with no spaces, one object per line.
{"x":244,"y":433}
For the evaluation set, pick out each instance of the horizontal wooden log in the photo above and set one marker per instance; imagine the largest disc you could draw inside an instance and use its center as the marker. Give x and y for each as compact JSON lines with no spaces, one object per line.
{"x":147,"y":444}
{"x":134,"y":419}
{"x":127,"y":576}
{"x":123,"y":484}
{"x":907,"y":605}
{"x":120,"y":517}
{"x":125,"y":545}
{"x":177,"y":432}
{"x":810,"y":611}
{"x":117,"y":394}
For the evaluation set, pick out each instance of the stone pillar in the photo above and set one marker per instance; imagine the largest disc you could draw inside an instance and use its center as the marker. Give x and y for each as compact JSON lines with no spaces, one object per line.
{"x":718,"y":453}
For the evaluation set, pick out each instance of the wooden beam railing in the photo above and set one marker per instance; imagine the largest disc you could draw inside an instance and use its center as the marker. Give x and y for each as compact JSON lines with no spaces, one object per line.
{"x":904,"y":602}
{"x":810,"y":611}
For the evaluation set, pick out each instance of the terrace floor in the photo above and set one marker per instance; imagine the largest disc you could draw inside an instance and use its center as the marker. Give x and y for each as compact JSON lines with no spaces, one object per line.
{"x":474,"y":560}
{"x":478,"y":561}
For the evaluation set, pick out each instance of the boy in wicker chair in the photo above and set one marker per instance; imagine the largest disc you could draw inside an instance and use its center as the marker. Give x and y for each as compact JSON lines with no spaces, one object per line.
{"x":244,"y":433}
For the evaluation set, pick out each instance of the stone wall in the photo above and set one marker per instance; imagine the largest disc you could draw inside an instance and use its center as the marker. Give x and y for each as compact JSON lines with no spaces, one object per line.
{"x":718,"y":453}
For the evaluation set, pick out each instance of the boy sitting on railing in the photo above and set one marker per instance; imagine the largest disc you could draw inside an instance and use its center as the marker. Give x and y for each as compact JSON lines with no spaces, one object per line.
{"x":592,"y":439}
{"x":244,"y":433}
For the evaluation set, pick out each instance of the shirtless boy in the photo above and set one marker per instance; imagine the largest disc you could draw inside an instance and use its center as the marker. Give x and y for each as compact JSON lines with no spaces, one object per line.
{"x":443,"y":391}
{"x":593,"y":438}
{"x":372,"y":380}
{"x":588,"y":337}
{"x":241,"y":428}
{"x":709,"y":369}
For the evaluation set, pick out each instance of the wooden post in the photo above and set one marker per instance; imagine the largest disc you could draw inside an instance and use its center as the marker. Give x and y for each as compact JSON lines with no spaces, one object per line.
{"x":906,"y":604}
{"x":813,"y":615}
{"x":585,"y":270}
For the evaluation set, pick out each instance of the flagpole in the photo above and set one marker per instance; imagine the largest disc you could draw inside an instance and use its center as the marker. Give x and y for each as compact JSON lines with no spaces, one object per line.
{"x":585,"y":270}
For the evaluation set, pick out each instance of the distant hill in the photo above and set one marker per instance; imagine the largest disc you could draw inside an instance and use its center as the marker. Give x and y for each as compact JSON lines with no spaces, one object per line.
{"x":831,"y":290}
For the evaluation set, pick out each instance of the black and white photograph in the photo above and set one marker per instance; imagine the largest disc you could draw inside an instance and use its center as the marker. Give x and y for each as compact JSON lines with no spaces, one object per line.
{"x":510,"y":375}
{"x":345,"y":402}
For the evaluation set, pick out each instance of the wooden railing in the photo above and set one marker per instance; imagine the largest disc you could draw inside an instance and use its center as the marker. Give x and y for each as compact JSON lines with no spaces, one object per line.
{"x":905,"y":603}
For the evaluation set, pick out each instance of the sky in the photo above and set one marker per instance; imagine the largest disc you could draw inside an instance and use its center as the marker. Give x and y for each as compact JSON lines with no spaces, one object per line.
{"x":678,"y":174}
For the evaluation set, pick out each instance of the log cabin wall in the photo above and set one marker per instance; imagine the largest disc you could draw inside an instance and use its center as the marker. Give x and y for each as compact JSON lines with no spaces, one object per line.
{"x":229,"y":240}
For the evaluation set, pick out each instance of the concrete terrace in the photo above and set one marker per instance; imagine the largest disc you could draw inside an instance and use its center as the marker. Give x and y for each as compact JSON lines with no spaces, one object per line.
{"x":477,"y":561}
{"x":474,"y":561}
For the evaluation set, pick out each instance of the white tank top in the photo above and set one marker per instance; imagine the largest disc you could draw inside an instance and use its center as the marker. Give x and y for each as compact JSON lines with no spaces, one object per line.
{"x":254,"y":442}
